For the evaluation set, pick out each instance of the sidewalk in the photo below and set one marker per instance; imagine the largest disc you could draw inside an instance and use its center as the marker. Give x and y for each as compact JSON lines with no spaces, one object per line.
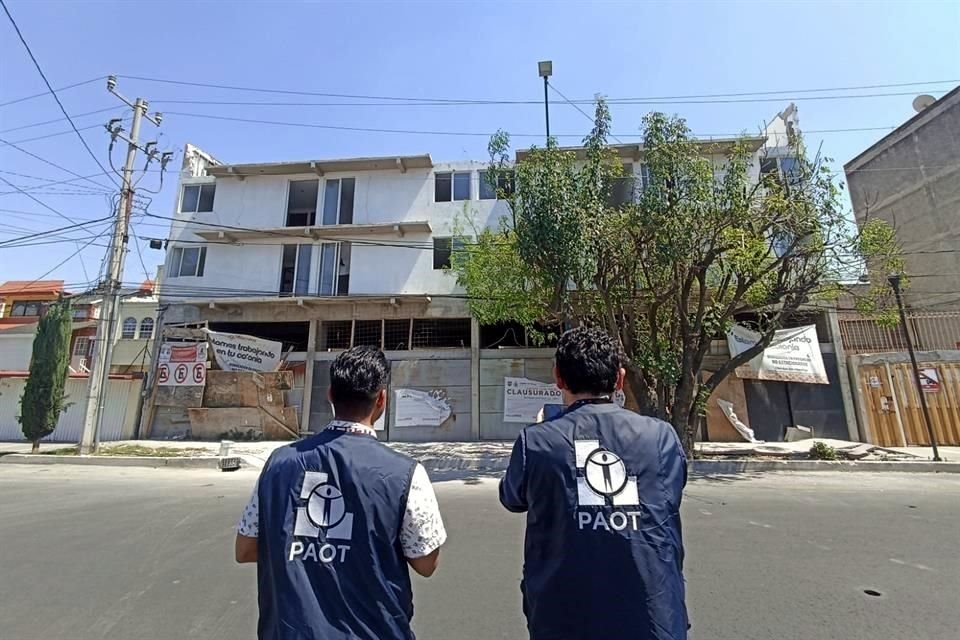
{"x":447,"y":460}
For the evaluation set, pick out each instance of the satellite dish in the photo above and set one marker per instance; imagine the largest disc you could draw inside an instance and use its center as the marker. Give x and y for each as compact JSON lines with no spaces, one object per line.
{"x":923,"y":101}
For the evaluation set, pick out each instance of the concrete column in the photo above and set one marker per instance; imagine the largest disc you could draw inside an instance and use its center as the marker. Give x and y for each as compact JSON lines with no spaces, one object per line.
{"x":308,"y":376}
{"x":844,"y":379}
{"x":474,"y":378}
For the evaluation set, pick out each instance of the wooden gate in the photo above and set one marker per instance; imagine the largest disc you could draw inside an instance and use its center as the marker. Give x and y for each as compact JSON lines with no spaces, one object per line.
{"x":894,"y":415}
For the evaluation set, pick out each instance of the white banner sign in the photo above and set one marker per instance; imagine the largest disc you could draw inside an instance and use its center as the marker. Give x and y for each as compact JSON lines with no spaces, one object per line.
{"x":413,"y":408}
{"x":523,"y":399}
{"x":181,"y":365}
{"x":793,"y":356}
{"x":237,"y":352}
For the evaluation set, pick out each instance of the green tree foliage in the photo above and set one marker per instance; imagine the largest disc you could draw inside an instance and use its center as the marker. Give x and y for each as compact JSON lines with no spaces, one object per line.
{"x":43,"y":396}
{"x":666,"y":268}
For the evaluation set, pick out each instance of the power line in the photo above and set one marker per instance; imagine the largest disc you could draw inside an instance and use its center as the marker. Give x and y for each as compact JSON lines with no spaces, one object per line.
{"x":58,"y":133}
{"x":308,"y":125}
{"x":57,"y":166}
{"x":500,"y":101}
{"x":52,"y":183}
{"x":55,"y":120}
{"x":44,"y":93}
{"x":50,"y":89}
{"x":38,"y":201}
{"x":65,"y":261}
{"x":37,"y":234}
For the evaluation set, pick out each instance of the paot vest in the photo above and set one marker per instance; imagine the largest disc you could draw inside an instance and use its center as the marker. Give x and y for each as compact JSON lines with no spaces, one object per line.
{"x":603,"y":555}
{"x":330,"y":566}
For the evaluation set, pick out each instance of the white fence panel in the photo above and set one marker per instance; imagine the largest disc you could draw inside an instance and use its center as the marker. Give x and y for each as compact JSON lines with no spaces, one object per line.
{"x":118,"y":415}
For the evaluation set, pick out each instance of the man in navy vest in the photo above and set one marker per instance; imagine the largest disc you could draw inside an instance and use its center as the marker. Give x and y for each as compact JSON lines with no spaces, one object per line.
{"x":337,"y":518}
{"x":601,"y":487}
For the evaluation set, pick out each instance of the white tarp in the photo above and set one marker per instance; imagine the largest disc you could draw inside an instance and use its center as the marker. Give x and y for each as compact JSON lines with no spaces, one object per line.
{"x":237,"y":352}
{"x":523,"y":399}
{"x":793,"y":356}
{"x":738,"y":424}
{"x":413,"y":408}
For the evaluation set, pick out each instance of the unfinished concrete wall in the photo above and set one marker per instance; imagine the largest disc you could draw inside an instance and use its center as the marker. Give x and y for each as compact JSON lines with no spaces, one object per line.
{"x":444,"y":371}
{"x":495,"y":365}
{"x":911,"y":179}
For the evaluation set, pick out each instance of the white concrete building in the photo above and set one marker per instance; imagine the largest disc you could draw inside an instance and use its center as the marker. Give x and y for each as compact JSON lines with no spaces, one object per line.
{"x":325,"y":254}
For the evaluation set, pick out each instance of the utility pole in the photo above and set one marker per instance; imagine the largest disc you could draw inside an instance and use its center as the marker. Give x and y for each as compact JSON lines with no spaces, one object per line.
{"x":545,"y":67}
{"x":894,"y":281}
{"x":110,"y":288}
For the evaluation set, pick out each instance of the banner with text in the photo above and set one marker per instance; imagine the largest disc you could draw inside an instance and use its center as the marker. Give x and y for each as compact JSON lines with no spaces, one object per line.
{"x":793,"y":356}
{"x":182,"y":365}
{"x":237,"y":352}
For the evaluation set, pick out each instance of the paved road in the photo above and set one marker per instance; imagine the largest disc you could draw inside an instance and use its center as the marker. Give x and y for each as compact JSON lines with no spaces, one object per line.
{"x":89,"y":553}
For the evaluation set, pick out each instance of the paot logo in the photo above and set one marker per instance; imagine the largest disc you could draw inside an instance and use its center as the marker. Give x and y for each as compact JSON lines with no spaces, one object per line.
{"x":605,"y":473}
{"x":322,"y":514}
{"x":602,"y":481}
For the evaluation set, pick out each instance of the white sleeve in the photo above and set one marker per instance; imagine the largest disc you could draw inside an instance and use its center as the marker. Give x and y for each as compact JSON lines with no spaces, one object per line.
{"x":249,"y":524}
{"x":422,"y":531}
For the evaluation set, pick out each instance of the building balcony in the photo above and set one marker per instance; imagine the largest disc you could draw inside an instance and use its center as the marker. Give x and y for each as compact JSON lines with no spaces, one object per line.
{"x":317,"y":232}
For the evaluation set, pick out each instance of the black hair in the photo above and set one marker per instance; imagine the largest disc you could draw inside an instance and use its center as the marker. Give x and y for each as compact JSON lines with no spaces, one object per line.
{"x":588,"y":361}
{"x":356,"y":377}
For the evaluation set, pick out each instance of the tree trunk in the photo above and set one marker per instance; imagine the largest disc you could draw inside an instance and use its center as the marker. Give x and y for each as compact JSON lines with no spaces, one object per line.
{"x":36,"y":447}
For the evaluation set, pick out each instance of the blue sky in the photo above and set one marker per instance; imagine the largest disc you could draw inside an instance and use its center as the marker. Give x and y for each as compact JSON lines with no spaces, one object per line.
{"x":451,"y":50}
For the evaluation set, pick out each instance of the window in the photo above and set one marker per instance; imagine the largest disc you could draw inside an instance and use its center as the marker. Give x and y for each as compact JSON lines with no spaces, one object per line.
{"x":129,"y":331}
{"x":81,"y":347}
{"x":146,"y":329}
{"x":443,"y":249}
{"x":295,"y":269}
{"x":26,"y":309}
{"x":504,"y":184}
{"x":187,"y":261}
{"x":451,"y":186}
{"x":335,"y":334}
{"x":198,"y":198}
{"x":367,"y":333}
{"x":432,"y":333}
{"x":396,"y":335}
{"x":334,"y":269}
{"x":302,"y":203}
{"x":79,"y":313}
{"x":645,"y":178}
{"x":338,"y":201}
{"x":623,"y":189}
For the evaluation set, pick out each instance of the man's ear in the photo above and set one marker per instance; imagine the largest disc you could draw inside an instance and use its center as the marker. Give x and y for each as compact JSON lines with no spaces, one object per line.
{"x":381,"y":401}
{"x":557,"y":379}
{"x":621,"y":379}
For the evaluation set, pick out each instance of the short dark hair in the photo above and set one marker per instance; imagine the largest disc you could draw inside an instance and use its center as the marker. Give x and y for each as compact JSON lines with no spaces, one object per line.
{"x":588,"y":361}
{"x":356,"y":377}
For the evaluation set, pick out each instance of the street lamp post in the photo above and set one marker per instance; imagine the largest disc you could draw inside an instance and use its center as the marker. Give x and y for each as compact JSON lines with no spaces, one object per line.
{"x":894,"y":281}
{"x":546,"y":70}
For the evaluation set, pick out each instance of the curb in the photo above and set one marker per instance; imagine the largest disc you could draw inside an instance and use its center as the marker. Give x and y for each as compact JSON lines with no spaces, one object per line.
{"x":186,"y":462}
{"x":496,"y":465}
{"x":707,"y":467}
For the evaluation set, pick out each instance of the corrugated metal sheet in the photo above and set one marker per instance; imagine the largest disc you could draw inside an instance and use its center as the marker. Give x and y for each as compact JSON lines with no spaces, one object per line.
{"x":118,"y":417}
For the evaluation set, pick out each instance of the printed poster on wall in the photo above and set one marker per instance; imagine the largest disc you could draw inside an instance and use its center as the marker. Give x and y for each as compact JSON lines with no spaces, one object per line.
{"x":182,"y":365}
{"x":793,"y":356}
{"x":237,"y":352}
{"x":523,"y":399}
{"x":414,"y":408}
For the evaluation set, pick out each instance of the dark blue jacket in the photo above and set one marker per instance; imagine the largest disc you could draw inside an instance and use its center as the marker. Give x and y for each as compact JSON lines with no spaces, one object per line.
{"x":603,"y":556}
{"x":330,"y":565}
